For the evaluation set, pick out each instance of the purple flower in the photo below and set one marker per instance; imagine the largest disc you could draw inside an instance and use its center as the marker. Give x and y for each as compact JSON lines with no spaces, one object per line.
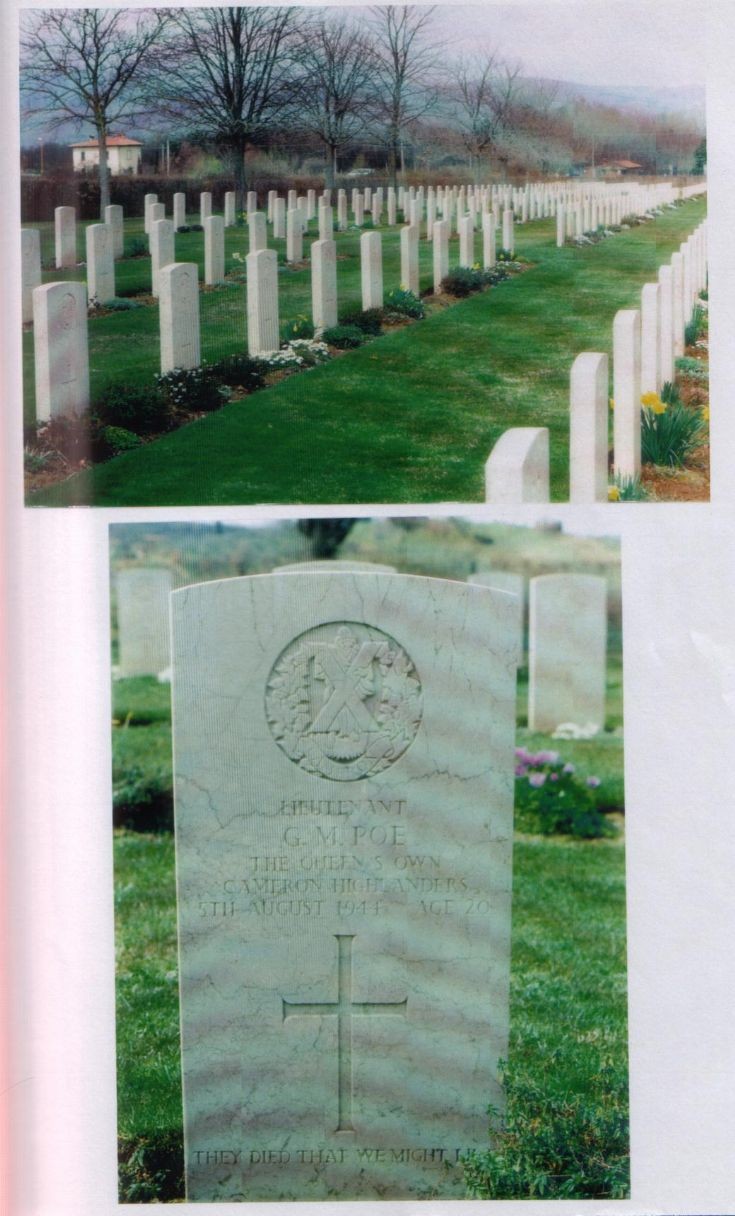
{"x":546,"y":757}
{"x":568,"y":768}
{"x":537,"y":780}
{"x":554,"y":776}
{"x":593,"y":782}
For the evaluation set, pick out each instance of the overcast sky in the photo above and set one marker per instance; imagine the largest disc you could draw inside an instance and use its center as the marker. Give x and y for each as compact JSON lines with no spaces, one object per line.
{"x":601,"y":42}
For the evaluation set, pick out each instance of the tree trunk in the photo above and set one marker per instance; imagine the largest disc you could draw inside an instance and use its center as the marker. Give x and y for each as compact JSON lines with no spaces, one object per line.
{"x":330,"y":167}
{"x":103,"y":169}
{"x":239,"y":175}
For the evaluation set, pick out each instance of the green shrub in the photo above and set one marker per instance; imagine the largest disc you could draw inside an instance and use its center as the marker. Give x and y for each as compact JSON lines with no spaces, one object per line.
{"x":193,"y":389}
{"x":552,"y":1145}
{"x":301,"y":327}
{"x":240,"y":371}
{"x":405,"y":303}
{"x":694,"y":327}
{"x":142,"y":800}
{"x":668,"y":437}
{"x":35,"y":461}
{"x":151,"y":1170}
{"x":137,"y":248}
{"x":184,"y":228}
{"x":626,"y":489}
{"x":551,"y":799}
{"x":463,"y":282}
{"x":140,"y":408}
{"x":370,"y":321}
{"x":670,"y":394}
{"x":695,"y":369}
{"x":344,"y":337}
{"x":196,"y":228}
{"x":119,"y":440}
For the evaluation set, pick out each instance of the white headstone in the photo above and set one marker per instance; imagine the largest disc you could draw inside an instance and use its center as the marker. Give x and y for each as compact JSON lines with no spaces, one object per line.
{"x":143,"y":631}
{"x":508,"y":231}
{"x":257,"y":231}
{"x":262,"y":286}
{"x":205,"y":206}
{"x":65,"y":233}
{"x":488,"y":240}
{"x":371,"y":268}
{"x":440,"y":253}
{"x":410,"y":258}
{"x":517,"y":469}
{"x":666,"y":301}
{"x":178,"y":290}
{"x":325,"y":223}
{"x":294,"y":236}
{"x":627,"y":392}
{"x":30,"y":253}
{"x":115,"y":219}
{"x":179,"y":210}
{"x":588,"y":428}
{"x":650,"y":338}
{"x":230,"y":209}
{"x":512,"y":584}
{"x":100,"y":263}
{"x":324,"y":284}
{"x":163,"y":252}
{"x":279,"y":219}
{"x":214,"y":250}
{"x":60,"y":350}
{"x":149,"y":200}
{"x":466,"y":242}
{"x":327,"y":730}
{"x":567,"y":636}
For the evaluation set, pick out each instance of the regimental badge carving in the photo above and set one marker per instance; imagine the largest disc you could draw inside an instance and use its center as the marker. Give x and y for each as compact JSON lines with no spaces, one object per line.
{"x":343,"y":700}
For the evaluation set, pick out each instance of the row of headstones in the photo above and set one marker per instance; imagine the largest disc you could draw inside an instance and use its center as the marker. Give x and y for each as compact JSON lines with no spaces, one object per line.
{"x":567,"y":629}
{"x":60,"y":309}
{"x":646,"y":343}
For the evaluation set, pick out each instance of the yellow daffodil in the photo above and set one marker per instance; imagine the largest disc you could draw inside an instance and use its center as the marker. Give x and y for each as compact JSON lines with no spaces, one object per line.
{"x":613,"y":494}
{"x":705,"y":413}
{"x":658,"y":407}
{"x":650,"y":400}
{"x":612,"y":403}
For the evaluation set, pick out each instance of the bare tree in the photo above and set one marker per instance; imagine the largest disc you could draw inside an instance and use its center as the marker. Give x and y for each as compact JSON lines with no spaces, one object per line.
{"x":338,"y":73}
{"x":89,"y":66}
{"x":228,"y":73}
{"x":486,"y":89}
{"x":405,"y":62}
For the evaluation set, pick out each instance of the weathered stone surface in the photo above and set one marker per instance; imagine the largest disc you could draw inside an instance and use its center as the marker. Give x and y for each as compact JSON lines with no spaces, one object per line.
{"x":143,"y":631}
{"x":567,"y":636}
{"x":257,"y":231}
{"x":179,"y":209}
{"x":60,"y":347}
{"x":371,"y":268}
{"x":344,"y":790}
{"x":512,"y":584}
{"x":214,"y":250}
{"x":440,"y":252}
{"x":517,"y":469}
{"x":410,"y":258}
{"x":230,"y":209}
{"x":627,"y":392}
{"x":162,"y":242}
{"x":178,"y":290}
{"x":114,"y":216}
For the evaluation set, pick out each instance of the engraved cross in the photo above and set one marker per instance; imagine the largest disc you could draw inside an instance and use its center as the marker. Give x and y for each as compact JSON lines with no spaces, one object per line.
{"x":344,"y":1008}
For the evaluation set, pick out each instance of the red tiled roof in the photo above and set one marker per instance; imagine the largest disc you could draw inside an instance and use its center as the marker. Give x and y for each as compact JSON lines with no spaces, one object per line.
{"x":113,"y":141}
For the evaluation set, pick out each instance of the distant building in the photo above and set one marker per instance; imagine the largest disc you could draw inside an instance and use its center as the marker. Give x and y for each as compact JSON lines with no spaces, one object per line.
{"x":619,"y":167}
{"x":123,"y":154}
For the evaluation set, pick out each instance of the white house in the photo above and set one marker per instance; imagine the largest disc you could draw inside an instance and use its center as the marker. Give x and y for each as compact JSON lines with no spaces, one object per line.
{"x":123,"y":154}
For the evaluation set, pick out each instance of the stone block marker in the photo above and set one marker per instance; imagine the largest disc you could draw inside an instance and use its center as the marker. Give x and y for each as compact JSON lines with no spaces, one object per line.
{"x":179,"y":209}
{"x":114,"y":217}
{"x":650,"y":338}
{"x":627,"y":392}
{"x":488,"y":240}
{"x":517,"y":469}
{"x":214,"y":250}
{"x":149,"y":200}
{"x":143,"y":630}
{"x":440,"y":253}
{"x":178,"y":289}
{"x":30,"y":254}
{"x":100,"y":263}
{"x":567,"y":638}
{"x":679,"y":320}
{"x":252,"y":201}
{"x":511,"y":584}
{"x":341,"y":1022}
{"x":588,"y":428}
{"x":509,"y":241}
{"x":466,"y":241}
{"x":230,"y":211}
{"x":279,"y":218}
{"x":60,"y":348}
{"x":410,"y":258}
{"x":666,"y":302}
{"x":262,"y":286}
{"x":371,"y":270}
{"x":326,"y":230}
{"x":257,"y":231}
{"x":205,"y":206}
{"x":65,"y":237}
{"x":294,"y":236}
{"x":324,"y":284}
{"x":162,"y":242}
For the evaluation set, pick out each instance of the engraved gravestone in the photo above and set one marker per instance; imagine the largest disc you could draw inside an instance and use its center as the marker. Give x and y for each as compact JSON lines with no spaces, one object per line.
{"x":344,"y":801}
{"x":515,"y":585}
{"x":143,"y":630}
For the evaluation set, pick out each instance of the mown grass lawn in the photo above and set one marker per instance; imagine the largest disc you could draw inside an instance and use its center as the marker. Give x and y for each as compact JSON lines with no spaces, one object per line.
{"x":410,"y":417}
